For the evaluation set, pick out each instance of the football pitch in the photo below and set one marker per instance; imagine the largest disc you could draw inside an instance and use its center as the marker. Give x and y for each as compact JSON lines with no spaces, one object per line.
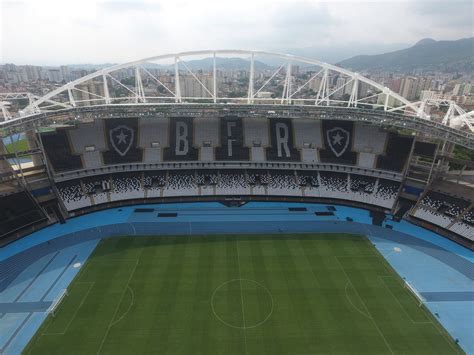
{"x":256,"y":294}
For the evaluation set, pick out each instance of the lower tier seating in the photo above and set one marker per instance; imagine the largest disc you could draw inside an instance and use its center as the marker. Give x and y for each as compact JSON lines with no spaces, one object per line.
{"x":100,"y":189}
{"x":439,"y":209}
{"x":448,"y":212}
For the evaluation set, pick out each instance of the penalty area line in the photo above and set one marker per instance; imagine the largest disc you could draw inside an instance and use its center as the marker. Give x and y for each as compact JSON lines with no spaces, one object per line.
{"x":241,"y":295}
{"x":365,"y":306}
{"x":91,"y":285}
{"x":111,"y":323}
{"x":398,"y":300}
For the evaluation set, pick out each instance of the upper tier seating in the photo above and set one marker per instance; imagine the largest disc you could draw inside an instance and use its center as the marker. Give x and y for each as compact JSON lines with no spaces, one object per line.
{"x":88,"y":134}
{"x":256,"y":132}
{"x":122,"y":142}
{"x":338,"y":143}
{"x":307,"y":133}
{"x":369,"y":139}
{"x":153,"y":137}
{"x":396,"y":153}
{"x":58,"y":150}
{"x":153,"y":140}
{"x":153,"y":130}
{"x":425,"y":149}
{"x":366,"y":160}
{"x":18,"y":211}
{"x":206,"y":132}
{"x":92,"y":160}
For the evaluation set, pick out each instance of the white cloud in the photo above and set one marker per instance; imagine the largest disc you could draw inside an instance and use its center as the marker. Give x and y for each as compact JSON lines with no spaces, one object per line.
{"x":66,"y":31}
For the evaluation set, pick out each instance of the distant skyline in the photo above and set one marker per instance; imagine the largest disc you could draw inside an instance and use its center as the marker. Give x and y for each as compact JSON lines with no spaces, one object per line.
{"x":54,"y":32}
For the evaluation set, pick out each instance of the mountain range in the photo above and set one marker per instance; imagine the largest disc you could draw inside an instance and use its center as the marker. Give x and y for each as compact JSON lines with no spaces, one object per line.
{"x":426,"y":55}
{"x":221,"y":63}
{"x":194,"y":65}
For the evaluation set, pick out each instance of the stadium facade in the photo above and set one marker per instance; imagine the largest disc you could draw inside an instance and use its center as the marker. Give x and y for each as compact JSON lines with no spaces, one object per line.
{"x":369,"y":149}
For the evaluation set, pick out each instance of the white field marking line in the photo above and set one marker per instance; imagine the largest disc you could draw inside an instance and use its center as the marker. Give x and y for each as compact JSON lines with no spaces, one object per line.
{"x":246,"y":327}
{"x":369,"y":234}
{"x":112,"y":259}
{"x":372,"y":244}
{"x":241,"y":295}
{"x":367,"y":231}
{"x":82,"y":270}
{"x":379,"y":254}
{"x":446,"y":337}
{"x":398,"y":301}
{"x":443,"y":333}
{"x":55,"y":304}
{"x":90,"y":261}
{"x":75,"y":312}
{"x":128,"y":309}
{"x":365,"y":306}
{"x":133,"y":227}
{"x":390,"y":269}
{"x":356,"y":256}
{"x":353,"y":305}
{"x":118,"y":306}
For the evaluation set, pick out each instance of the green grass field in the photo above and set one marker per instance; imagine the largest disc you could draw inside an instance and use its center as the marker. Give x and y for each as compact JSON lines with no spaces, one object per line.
{"x":272,"y":294}
{"x":21,"y":145}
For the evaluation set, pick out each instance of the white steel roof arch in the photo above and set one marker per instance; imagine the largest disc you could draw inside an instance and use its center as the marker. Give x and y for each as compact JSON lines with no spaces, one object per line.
{"x":178,"y":56}
{"x":327,"y":92}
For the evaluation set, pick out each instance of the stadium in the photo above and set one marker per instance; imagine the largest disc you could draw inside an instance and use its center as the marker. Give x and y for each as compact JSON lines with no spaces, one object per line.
{"x":296,"y":216}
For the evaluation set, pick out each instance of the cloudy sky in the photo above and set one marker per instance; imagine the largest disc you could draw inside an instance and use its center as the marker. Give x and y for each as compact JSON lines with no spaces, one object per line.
{"x":51,"y":32}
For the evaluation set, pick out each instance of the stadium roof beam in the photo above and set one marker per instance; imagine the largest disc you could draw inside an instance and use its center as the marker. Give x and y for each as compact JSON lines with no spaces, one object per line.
{"x":346,"y":94}
{"x":410,"y":108}
{"x":177,"y":89}
{"x":433,"y":129}
{"x":140,"y":90}
{"x":455,"y":115}
{"x":250,"y":99}
{"x":214,"y":77}
{"x":5,"y":97}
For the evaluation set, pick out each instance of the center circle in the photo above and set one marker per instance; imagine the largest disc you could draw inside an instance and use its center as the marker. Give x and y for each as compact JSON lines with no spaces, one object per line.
{"x":242,"y":303}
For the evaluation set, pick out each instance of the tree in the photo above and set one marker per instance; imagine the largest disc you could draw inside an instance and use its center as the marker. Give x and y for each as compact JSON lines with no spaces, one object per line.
{"x":462,"y":154}
{"x":130,"y":81}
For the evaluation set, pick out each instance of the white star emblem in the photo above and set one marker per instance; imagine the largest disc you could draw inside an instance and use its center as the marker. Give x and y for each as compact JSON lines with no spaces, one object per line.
{"x":122,"y":138}
{"x":337,"y":139}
